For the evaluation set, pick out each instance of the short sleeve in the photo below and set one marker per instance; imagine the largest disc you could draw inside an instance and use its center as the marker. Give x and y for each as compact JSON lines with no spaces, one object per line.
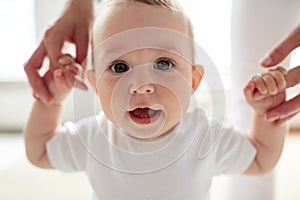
{"x":234,"y":152}
{"x":67,"y":150}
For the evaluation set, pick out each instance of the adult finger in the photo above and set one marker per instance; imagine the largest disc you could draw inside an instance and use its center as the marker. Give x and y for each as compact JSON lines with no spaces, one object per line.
{"x":285,"y":110}
{"x":53,"y":44}
{"x":281,"y":121}
{"x":293,"y":77}
{"x":283,"y":49}
{"x":82,"y":39}
{"x":31,"y":68}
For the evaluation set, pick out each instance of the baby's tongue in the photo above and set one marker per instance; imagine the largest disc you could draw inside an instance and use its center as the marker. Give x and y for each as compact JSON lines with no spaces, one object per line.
{"x":141,"y":112}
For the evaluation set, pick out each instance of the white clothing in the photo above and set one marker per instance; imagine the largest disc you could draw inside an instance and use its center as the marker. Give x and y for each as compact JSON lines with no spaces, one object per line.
{"x":179,"y":165}
{"x":256,"y":27}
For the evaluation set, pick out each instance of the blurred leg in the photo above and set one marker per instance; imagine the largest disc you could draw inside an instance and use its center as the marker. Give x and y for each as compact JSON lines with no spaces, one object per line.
{"x":257,"y":25}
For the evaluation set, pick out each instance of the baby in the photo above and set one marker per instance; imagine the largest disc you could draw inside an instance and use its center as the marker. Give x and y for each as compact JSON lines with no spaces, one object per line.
{"x":150,"y":141}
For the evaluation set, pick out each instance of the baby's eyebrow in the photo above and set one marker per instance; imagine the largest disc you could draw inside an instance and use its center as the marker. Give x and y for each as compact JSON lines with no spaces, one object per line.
{"x":172,"y":49}
{"x":106,"y":55}
{"x":113,"y":49}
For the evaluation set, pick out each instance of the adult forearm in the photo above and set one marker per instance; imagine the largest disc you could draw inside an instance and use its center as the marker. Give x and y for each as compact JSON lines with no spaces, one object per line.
{"x":82,"y":2}
{"x":83,"y":5}
{"x":268,"y":140}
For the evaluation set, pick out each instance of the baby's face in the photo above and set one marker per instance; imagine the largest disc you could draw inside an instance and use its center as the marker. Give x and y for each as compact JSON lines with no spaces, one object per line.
{"x":142,"y":66}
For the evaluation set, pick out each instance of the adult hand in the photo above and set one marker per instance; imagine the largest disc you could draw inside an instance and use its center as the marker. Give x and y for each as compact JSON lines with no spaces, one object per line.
{"x":283,"y":49}
{"x":290,"y":108}
{"x":74,"y":27}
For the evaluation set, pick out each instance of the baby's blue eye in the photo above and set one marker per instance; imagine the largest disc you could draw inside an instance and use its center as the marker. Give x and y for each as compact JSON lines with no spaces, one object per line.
{"x":119,"y":67}
{"x":163,"y":64}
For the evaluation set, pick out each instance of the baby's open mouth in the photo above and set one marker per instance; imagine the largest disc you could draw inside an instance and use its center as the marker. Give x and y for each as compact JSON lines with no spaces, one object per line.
{"x":144,"y":115}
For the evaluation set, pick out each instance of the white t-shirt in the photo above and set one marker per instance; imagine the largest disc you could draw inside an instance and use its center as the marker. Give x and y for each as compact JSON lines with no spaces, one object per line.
{"x":179,"y":165}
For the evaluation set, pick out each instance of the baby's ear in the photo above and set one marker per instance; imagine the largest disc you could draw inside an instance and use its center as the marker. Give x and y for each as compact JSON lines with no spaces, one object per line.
{"x":197,"y":74}
{"x":92,"y":79}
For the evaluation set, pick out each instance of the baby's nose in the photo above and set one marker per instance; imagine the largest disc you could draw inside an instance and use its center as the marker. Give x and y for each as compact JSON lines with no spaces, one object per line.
{"x":144,"y":89}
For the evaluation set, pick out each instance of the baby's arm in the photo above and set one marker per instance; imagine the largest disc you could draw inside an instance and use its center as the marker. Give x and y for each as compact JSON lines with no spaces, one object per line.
{"x":44,"y":118}
{"x":263,"y":93}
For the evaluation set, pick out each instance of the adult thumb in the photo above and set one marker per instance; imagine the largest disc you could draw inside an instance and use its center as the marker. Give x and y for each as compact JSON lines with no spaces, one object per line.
{"x":54,"y":49}
{"x":283,"y":49}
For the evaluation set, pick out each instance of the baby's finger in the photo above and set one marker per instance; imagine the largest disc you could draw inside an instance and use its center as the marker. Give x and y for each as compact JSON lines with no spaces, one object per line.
{"x":77,"y":70}
{"x":66,"y":59}
{"x":59,"y":79}
{"x":73,"y":68}
{"x":260,"y":85}
{"x":70,"y":78}
{"x":281,"y":69}
{"x":279,"y":79}
{"x":79,"y":83}
{"x":258,"y":96}
{"x":248,"y":91}
{"x":270,"y":83}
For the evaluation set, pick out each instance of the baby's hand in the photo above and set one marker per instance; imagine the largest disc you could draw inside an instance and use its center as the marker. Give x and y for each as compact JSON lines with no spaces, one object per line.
{"x":266,"y":91}
{"x":63,"y":79}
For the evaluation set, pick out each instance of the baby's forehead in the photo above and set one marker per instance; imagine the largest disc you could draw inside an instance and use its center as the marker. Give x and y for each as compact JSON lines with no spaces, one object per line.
{"x":159,"y":39}
{"x":116,"y":18}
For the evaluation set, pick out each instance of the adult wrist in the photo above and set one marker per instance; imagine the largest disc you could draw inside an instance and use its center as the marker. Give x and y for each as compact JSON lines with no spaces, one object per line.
{"x":82,"y":7}
{"x":82,"y":4}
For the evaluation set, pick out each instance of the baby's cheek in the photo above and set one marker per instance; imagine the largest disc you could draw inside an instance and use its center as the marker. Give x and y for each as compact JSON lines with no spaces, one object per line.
{"x":105,"y":95}
{"x":106,"y":105}
{"x":174,"y":109}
